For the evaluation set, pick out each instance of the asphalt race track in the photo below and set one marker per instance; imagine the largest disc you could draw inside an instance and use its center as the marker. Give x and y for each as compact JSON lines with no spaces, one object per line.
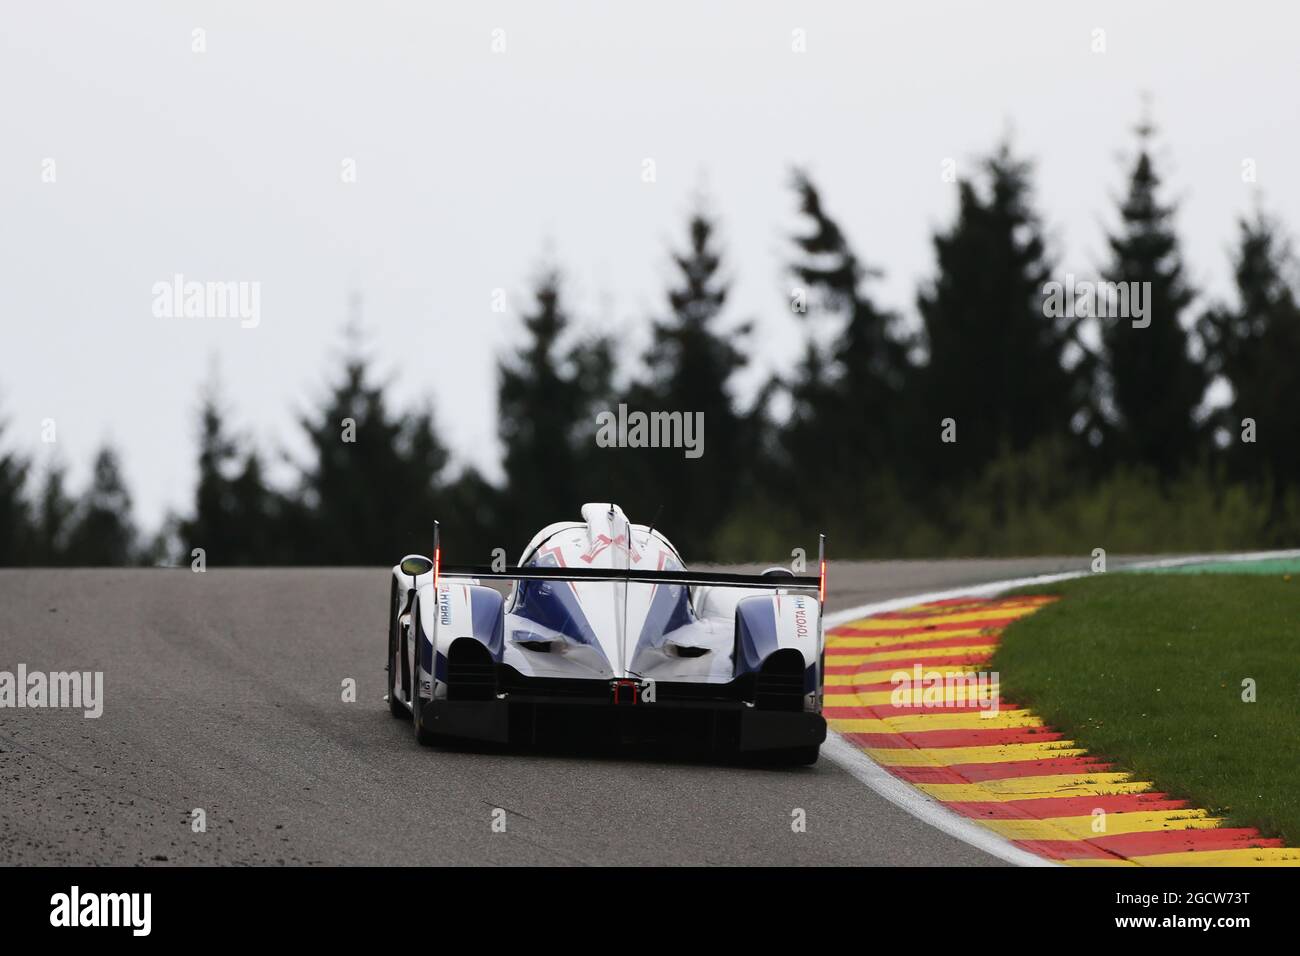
{"x":223,"y":691}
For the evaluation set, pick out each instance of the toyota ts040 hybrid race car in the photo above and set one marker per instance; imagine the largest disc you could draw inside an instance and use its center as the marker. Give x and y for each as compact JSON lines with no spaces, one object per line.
{"x":604,"y":633}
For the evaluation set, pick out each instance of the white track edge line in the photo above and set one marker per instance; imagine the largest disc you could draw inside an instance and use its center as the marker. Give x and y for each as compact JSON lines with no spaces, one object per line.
{"x":923,"y":807}
{"x":919,"y":804}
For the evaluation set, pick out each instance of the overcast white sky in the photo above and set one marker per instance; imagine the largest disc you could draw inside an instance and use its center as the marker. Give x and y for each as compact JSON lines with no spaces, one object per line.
{"x":225,"y":165}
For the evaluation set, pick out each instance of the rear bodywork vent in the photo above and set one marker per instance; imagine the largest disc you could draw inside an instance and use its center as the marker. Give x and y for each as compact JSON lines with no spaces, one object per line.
{"x":471,"y":672}
{"x":684,"y":650}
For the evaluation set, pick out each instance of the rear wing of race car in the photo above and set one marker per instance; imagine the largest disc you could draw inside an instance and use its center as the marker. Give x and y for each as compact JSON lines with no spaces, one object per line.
{"x":633,"y":575}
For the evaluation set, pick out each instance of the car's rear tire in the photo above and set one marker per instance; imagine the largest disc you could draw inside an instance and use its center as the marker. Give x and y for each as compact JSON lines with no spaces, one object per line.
{"x":393,"y":669}
{"x":423,"y":737}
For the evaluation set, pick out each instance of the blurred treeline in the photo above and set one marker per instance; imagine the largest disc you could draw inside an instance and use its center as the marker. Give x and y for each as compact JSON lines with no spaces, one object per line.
{"x":1070,"y":433}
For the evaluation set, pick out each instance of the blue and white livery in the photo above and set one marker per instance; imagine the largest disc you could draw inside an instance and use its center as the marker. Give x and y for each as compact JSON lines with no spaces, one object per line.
{"x":603,"y":634}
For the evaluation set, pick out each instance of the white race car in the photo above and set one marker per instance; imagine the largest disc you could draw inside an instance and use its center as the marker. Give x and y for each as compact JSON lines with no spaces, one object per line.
{"x":605,"y":634}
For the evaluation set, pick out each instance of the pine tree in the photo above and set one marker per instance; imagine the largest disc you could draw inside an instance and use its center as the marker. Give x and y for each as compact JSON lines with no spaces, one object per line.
{"x":15,"y":514}
{"x":1254,"y":346}
{"x":470,"y":515}
{"x":847,"y":410}
{"x":54,"y":515}
{"x":548,"y":394}
{"x":256,"y":511}
{"x":1150,"y":385}
{"x":691,"y":364}
{"x":234,"y":514}
{"x":212,"y":527}
{"x":869,"y":358}
{"x":996,"y":357}
{"x":103,"y":533}
{"x":370,"y":493}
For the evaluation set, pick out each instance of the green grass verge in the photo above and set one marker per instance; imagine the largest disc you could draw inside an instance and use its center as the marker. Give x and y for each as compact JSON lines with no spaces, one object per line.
{"x":1147,"y":671}
{"x":1274,"y":566}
